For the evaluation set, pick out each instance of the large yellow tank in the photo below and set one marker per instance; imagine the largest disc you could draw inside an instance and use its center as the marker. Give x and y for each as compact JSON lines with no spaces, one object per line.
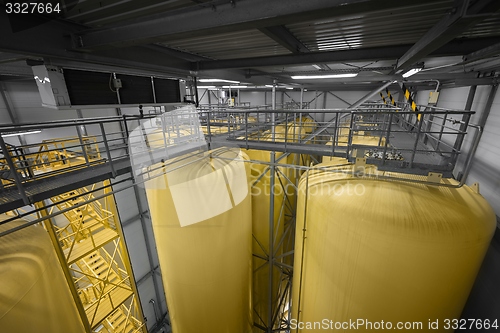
{"x":377,"y":250}
{"x":201,"y":213}
{"x":34,"y":295}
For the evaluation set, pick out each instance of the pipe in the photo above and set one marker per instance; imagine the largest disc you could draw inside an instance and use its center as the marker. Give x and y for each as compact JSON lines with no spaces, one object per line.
{"x":152,"y":301}
{"x":430,"y":80}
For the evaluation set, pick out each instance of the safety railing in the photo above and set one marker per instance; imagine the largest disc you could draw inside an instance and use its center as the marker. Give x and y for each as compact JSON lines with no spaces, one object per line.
{"x":390,"y":137}
{"x":62,"y":146}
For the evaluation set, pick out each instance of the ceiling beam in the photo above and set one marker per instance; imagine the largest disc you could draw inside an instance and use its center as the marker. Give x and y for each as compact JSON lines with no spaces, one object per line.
{"x":449,"y":27}
{"x":285,"y":38}
{"x":52,"y":40}
{"x":10,"y":57}
{"x":487,"y":52}
{"x":391,"y":52}
{"x":456,"y":47}
{"x":17,"y":69}
{"x":229,"y":17}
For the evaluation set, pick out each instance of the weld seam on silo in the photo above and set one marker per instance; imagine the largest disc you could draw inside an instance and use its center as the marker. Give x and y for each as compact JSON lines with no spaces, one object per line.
{"x":228,"y":187}
{"x":304,"y":230}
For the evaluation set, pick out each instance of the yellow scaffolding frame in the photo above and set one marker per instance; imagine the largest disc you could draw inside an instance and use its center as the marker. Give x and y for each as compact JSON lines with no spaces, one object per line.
{"x":90,"y":247}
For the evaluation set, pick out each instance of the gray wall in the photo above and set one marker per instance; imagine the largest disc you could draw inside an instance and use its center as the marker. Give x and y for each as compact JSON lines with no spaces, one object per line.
{"x":133,"y":209}
{"x":484,"y":300}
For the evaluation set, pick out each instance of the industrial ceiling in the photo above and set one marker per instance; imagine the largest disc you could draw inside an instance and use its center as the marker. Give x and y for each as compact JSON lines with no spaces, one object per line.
{"x":257,"y":41}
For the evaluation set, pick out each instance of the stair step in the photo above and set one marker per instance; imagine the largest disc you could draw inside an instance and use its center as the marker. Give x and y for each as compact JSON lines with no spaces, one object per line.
{"x":86,"y":246}
{"x":118,"y":320}
{"x":106,"y":306}
{"x":115,"y":315}
{"x":100,"y":269}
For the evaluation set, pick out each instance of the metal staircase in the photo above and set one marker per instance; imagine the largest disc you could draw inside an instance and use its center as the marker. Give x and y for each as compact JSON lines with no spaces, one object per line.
{"x":88,"y":240}
{"x":101,"y":279}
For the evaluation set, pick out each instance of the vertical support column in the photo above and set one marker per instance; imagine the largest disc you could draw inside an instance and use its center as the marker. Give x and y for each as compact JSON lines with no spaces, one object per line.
{"x":324,"y":106}
{"x":463,"y":124}
{"x":153,"y":88}
{"x":301,"y":98}
{"x":195,"y":88}
{"x":106,"y":146}
{"x":481,"y":123}
{"x":13,"y":169}
{"x":82,"y":145}
{"x":64,"y":265}
{"x":83,"y":128}
{"x":271,"y":215}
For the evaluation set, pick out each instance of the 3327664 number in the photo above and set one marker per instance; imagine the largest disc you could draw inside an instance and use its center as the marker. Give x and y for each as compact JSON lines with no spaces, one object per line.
{"x":468,"y":324}
{"x":32,"y":8}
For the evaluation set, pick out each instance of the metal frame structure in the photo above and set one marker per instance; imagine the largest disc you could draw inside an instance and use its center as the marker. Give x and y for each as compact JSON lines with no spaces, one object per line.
{"x":247,"y":128}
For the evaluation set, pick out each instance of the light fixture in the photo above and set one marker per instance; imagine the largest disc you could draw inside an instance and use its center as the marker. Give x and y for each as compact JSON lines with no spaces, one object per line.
{"x":326,"y":76}
{"x":42,"y":81}
{"x":217,"y":80}
{"x":234,"y":87}
{"x":317,"y":66}
{"x":289,"y":88}
{"x":19,"y":133}
{"x":412,"y":72}
{"x":269,"y":85}
{"x":206,"y":87}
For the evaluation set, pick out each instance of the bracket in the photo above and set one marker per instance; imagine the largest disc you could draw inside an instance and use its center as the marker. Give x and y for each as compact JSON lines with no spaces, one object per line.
{"x":434,"y":177}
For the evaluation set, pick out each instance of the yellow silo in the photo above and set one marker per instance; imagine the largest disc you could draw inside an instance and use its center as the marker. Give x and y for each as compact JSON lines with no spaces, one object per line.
{"x":34,"y":294}
{"x":201,"y":213}
{"x":392,"y":251}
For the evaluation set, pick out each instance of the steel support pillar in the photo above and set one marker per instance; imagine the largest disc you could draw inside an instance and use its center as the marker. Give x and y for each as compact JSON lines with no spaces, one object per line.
{"x":481,"y":123}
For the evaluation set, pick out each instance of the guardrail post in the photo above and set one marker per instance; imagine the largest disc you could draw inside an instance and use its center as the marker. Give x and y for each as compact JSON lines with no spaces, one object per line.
{"x":78,"y":130}
{"x":13,"y":169}
{"x":108,"y":152}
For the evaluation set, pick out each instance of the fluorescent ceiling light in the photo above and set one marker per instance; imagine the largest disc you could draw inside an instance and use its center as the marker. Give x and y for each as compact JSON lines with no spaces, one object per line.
{"x":326,"y":76}
{"x":269,"y":85}
{"x":289,"y":88}
{"x":19,"y":133}
{"x":206,"y":87}
{"x":234,"y":87}
{"x":412,"y":71}
{"x":317,"y":66}
{"x":217,"y":80}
